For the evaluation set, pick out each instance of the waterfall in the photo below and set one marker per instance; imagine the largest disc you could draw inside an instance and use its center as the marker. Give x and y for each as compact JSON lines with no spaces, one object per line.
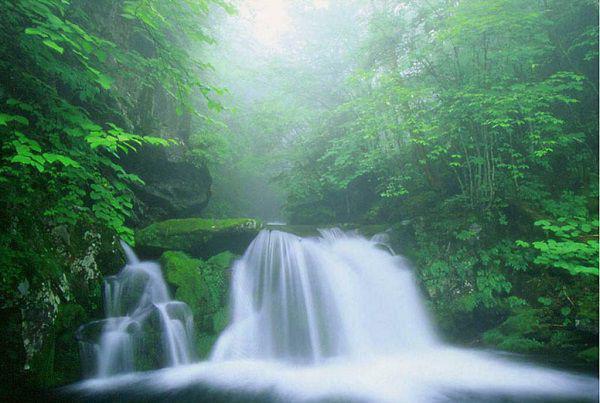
{"x":306,"y":300}
{"x":331,"y":318}
{"x":135,"y":300}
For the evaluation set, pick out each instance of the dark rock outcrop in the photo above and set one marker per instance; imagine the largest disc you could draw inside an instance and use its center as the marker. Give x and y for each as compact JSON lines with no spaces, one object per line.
{"x":174,"y":186}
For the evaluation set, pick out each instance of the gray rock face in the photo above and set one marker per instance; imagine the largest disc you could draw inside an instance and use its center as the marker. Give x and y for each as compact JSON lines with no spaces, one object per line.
{"x":174,"y":187}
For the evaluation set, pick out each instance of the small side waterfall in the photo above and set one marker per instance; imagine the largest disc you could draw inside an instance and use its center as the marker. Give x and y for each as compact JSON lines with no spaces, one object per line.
{"x":139,"y":311}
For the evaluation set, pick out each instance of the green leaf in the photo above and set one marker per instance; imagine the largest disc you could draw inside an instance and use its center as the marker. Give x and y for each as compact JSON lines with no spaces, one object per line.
{"x":36,"y":31}
{"x":64,"y":160}
{"x":104,"y":81}
{"x":6,"y":118}
{"x":53,"y":45}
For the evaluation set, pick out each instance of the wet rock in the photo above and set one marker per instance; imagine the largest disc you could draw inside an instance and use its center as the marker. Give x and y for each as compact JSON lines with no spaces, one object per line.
{"x":197,"y":236}
{"x":203,"y":286}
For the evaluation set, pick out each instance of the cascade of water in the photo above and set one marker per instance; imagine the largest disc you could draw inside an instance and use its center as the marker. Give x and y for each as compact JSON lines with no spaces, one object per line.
{"x":131,"y":299}
{"x":177,"y":327}
{"x":115,"y":350}
{"x":383,"y":239}
{"x":344,"y":307}
{"x":130,"y":256}
{"x":309,"y":299}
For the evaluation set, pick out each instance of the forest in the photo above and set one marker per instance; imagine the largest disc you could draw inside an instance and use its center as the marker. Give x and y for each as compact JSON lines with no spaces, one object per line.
{"x":465,"y":130}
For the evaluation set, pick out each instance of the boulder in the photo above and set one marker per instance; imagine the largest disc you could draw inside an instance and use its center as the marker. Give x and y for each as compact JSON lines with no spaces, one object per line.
{"x":203,"y":286}
{"x":199,"y":237}
{"x":174,"y":186}
{"x":183,"y":273}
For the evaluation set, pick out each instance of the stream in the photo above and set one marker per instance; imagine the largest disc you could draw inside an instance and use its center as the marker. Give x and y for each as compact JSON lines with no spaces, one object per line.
{"x":336,"y":317}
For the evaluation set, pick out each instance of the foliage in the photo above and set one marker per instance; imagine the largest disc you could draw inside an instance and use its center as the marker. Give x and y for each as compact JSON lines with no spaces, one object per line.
{"x":572,"y":236}
{"x":471,"y":126}
{"x":516,"y":333}
{"x":73,"y":74}
{"x":474,"y":124}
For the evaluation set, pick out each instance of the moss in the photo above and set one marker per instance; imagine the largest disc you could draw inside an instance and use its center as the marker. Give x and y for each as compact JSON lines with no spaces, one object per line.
{"x":183,"y":272}
{"x":222,"y":260}
{"x":67,"y":363}
{"x":204,"y":344}
{"x":206,"y":340}
{"x":198,"y":236}
{"x":202,"y":284}
{"x":58,"y":361}
{"x":149,"y":350}
{"x":42,"y":364}
{"x":220,"y":320}
{"x":215,"y":273}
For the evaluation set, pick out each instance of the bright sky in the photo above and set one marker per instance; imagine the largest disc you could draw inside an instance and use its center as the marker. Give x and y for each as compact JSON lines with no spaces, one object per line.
{"x":269,"y":19}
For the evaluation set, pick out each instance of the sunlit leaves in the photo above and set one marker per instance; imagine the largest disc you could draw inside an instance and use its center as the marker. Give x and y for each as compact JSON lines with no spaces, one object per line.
{"x":54,"y":46}
{"x":571,"y":241}
{"x":73,"y":75}
{"x":62,"y":159}
{"x":6,"y":118}
{"x":466,"y":121}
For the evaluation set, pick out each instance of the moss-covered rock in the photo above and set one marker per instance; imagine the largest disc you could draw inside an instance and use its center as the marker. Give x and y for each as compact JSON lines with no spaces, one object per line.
{"x":67,"y":363}
{"x":183,"y":273}
{"x":203,"y":285}
{"x":199,"y":237}
{"x":220,"y":320}
{"x":57,"y":362}
{"x":206,"y":340}
{"x":42,"y":363}
{"x":204,"y":344}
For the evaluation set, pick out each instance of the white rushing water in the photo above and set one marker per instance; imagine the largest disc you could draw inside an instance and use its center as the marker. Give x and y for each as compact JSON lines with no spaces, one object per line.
{"x":340,"y":317}
{"x":306,"y":300}
{"x":132,"y":298}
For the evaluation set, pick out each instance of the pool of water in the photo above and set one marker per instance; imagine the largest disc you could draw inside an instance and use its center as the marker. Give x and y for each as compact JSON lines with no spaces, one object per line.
{"x":438,"y":375}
